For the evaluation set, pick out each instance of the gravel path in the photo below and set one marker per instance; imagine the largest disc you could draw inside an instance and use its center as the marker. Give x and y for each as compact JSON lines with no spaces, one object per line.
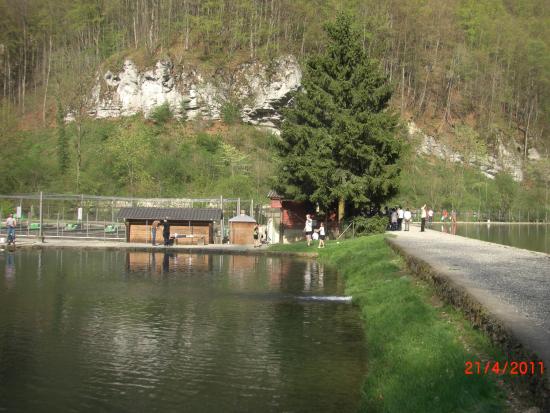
{"x":513,"y":284}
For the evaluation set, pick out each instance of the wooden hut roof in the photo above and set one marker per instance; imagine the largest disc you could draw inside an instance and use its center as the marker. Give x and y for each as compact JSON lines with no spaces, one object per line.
{"x":173,"y":214}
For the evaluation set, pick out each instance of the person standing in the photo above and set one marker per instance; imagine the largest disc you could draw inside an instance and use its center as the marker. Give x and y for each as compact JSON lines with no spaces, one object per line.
{"x":453,"y":221}
{"x":308,"y":229}
{"x":400,"y":214}
{"x":11,"y":223}
{"x":322,"y":236}
{"x":430,"y":217}
{"x":166,"y":231}
{"x":393,"y":220}
{"x":423,"y":215}
{"x":154,"y":228}
{"x":256,"y":235}
{"x":407,"y":218}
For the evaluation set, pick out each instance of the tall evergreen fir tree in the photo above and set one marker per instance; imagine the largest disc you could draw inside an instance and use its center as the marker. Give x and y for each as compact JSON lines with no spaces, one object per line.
{"x":340,"y":143}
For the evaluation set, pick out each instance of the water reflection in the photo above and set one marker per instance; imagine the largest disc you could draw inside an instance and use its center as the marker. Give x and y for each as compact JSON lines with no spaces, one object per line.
{"x":111,"y":330}
{"x":9,"y":271}
{"x":158,"y":263}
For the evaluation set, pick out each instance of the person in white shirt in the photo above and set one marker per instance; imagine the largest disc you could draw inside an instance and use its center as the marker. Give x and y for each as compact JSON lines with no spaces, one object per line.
{"x":430,"y":217}
{"x":407,"y":217}
{"x":11,"y":224}
{"x":308,"y":229}
{"x":400,"y":214}
{"x":322,"y":236}
{"x":423,"y":214}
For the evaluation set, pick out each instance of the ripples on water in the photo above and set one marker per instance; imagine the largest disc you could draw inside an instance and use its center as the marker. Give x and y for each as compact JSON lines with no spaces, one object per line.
{"x":113,"y":331}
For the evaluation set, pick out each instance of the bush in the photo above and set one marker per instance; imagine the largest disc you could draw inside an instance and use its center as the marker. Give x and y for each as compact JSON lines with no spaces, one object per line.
{"x":370,"y":225}
{"x":231,"y":113}
{"x":161,"y":114}
{"x":209,"y":142}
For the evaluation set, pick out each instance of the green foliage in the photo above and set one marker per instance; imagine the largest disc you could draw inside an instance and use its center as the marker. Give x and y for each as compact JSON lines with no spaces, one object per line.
{"x":339,"y":141}
{"x":507,"y":188}
{"x":370,"y":225}
{"x":133,"y":157}
{"x":210,"y":143}
{"x":235,"y":159}
{"x":231,"y":113}
{"x":161,"y":114}
{"x":130,"y":151}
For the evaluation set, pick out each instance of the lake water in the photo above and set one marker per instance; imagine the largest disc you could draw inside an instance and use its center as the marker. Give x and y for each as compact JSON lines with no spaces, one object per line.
{"x":535,"y":237}
{"x":135,"y":331}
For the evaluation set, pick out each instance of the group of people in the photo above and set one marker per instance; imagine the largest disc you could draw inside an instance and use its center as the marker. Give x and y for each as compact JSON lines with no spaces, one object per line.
{"x":313,"y":235}
{"x":427,"y":215}
{"x":399,"y":218}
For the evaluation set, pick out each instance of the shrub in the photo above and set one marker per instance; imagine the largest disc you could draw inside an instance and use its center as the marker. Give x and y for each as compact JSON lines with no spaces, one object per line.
{"x":209,"y":142}
{"x":370,"y":225}
{"x":161,"y":114}
{"x":231,"y":113}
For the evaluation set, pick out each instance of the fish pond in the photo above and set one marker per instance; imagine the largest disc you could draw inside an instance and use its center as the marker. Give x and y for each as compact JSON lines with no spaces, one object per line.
{"x":534,"y":237}
{"x":160,"y":332}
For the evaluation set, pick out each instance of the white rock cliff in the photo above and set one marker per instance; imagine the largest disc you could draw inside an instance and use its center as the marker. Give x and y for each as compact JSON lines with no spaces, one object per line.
{"x":500,"y":160}
{"x":259,"y":90}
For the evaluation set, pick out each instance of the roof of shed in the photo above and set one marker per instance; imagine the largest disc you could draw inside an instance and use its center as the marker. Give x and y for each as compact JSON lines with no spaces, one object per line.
{"x":242,"y":218}
{"x":173,"y":214}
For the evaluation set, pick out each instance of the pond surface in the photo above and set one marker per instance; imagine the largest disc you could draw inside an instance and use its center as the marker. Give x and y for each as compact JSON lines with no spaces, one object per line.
{"x":136,"y":331}
{"x":534,"y":237}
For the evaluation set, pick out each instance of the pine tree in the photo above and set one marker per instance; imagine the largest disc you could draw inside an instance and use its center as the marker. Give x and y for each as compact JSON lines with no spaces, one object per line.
{"x":339,"y":142}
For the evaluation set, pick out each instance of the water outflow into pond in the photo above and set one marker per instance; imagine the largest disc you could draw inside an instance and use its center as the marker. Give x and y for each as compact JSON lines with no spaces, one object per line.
{"x":138,"y":331}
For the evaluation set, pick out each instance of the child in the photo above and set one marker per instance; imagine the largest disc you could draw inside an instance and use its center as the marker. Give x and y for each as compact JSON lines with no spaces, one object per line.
{"x":322,"y":236}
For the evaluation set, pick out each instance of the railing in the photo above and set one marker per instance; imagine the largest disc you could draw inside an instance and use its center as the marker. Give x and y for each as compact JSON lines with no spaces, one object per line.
{"x":96,"y":217}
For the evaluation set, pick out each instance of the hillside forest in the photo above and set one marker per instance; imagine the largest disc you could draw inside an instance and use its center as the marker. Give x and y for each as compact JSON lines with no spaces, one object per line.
{"x":464,"y":70}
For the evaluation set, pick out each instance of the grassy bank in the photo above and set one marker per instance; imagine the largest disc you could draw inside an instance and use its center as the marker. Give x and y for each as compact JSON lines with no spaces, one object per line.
{"x":417,"y":346}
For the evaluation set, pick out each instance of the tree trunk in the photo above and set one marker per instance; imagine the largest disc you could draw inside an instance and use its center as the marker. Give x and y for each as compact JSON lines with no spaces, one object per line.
{"x":47,"y":82}
{"x":341,"y":209}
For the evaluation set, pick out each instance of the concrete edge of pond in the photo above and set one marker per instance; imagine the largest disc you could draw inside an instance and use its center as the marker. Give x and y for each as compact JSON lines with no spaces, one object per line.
{"x":519,"y":342}
{"x":194,"y":249}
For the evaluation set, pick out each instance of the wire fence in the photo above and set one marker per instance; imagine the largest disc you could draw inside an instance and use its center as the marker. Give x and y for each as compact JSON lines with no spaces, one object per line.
{"x":96,"y":217}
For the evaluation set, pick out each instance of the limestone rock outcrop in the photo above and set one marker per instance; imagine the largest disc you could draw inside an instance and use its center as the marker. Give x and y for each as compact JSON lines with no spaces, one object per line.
{"x":257,"y":89}
{"x":499,"y":159}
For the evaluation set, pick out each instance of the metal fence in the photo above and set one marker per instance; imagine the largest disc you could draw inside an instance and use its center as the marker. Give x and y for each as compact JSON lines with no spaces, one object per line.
{"x":96,"y":217}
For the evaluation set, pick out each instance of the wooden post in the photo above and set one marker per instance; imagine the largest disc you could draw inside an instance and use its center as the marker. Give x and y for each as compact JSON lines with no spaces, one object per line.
{"x":41,"y":222}
{"x":221,"y":221}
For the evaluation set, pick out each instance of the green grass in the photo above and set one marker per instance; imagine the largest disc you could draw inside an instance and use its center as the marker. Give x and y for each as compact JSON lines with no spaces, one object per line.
{"x":416,"y":346}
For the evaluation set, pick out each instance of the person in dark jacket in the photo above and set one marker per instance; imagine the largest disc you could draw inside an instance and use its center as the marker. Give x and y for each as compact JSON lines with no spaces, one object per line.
{"x":166,"y":231}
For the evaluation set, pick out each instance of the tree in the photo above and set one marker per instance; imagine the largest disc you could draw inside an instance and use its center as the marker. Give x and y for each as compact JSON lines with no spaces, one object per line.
{"x":339,"y":140}
{"x":130,"y":151}
{"x":62,"y":141}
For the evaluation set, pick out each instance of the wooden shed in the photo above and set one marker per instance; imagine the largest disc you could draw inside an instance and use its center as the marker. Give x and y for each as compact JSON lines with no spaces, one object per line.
{"x":241,"y":230}
{"x":187,"y":225}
